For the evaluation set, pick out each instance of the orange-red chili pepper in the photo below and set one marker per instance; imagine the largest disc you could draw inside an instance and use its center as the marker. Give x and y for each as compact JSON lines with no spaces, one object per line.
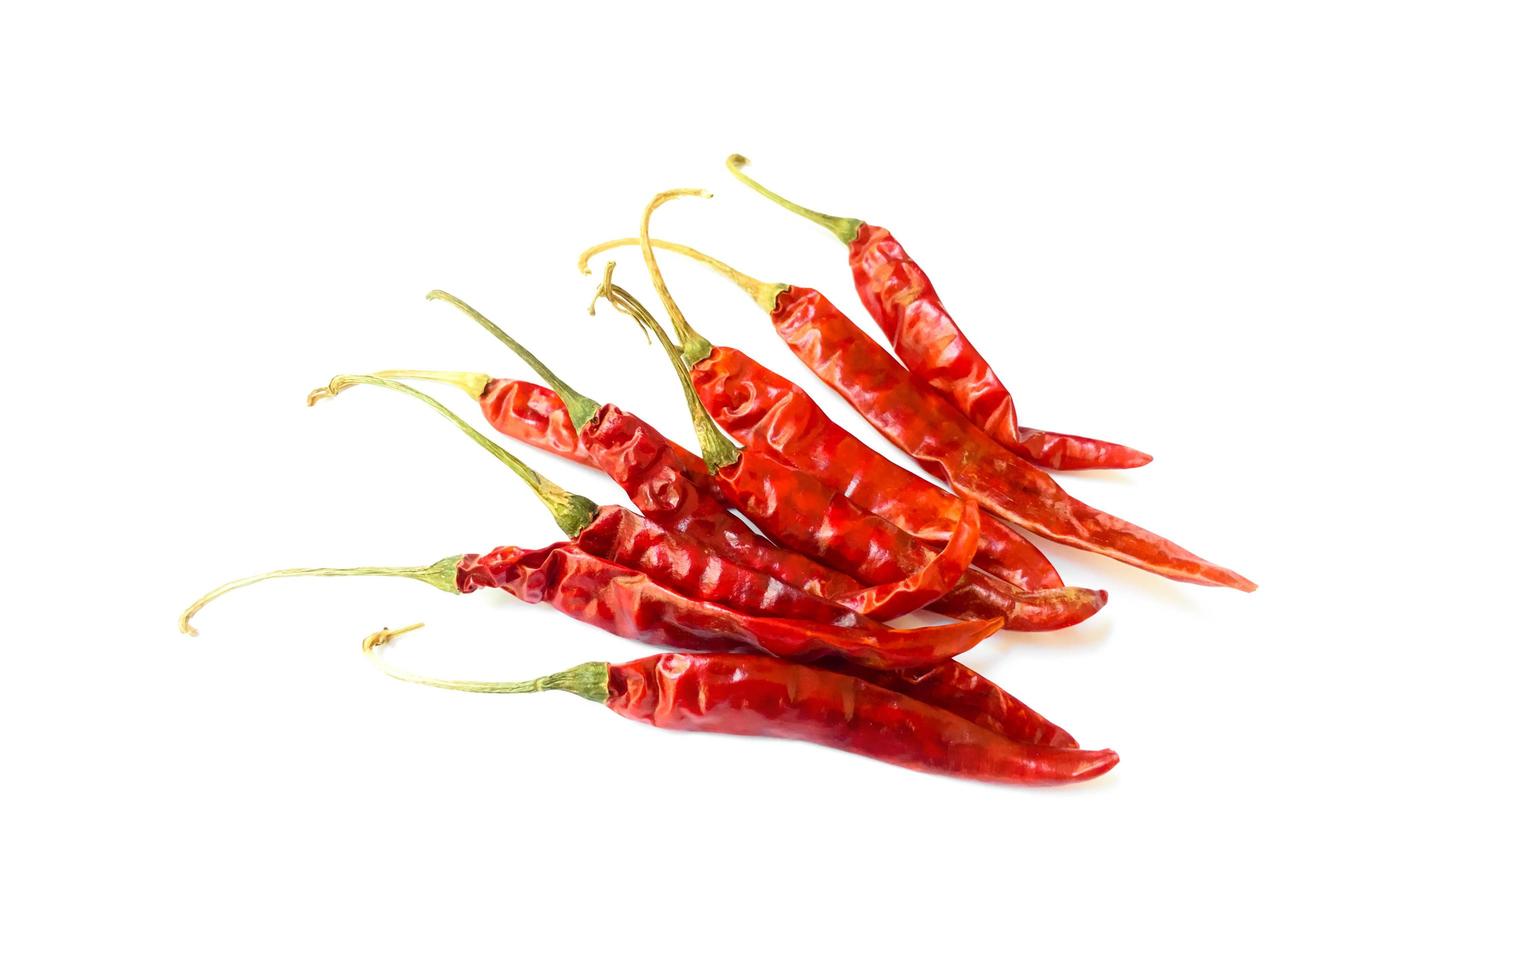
{"x":911,"y":415}
{"x":738,"y":694}
{"x":798,"y":510}
{"x":904,"y":304}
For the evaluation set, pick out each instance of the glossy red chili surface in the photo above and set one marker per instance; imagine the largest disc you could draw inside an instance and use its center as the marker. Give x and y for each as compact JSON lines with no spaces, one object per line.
{"x":902,"y":301}
{"x":958,"y":688}
{"x":645,"y":464}
{"x":797,"y":510}
{"x":746,"y":695}
{"x":630,"y":604}
{"x":762,"y":408}
{"x":912,"y":416}
{"x":685,"y":565}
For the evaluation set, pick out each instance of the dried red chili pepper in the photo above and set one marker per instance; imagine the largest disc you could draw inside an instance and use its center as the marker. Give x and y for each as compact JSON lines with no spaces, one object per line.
{"x":745,"y":695}
{"x":654,"y":472}
{"x":903,"y":303}
{"x":798,"y":510}
{"x":663,"y":479}
{"x":764,"y":409}
{"x":721,"y":603}
{"x":912,"y":416}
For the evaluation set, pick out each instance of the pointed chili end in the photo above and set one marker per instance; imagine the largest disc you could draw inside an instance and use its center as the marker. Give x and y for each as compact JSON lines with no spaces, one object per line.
{"x":1240,"y":583}
{"x":1097,"y":763}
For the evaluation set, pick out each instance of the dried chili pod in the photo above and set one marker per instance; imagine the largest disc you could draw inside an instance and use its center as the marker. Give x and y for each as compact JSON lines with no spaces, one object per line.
{"x":904,"y":304}
{"x":738,"y":694}
{"x":914,"y":417}
{"x":798,"y":510}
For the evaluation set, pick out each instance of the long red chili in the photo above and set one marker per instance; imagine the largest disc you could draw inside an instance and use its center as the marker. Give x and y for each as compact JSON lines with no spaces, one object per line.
{"x":796,"y":509}
{"x":762,"y":408}
{"x":902,"y":301}
{"x":912,"y":416}
{"x":663,"y":479}
{"x":654,"y":473}
{"x":737,"y":694}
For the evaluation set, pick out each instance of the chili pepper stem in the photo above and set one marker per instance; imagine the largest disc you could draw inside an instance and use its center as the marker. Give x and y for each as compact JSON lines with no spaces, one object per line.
{"x":589,"y":680}
{"x":580,"y":408}
{"x":844,"y":228}
{"x":571,"y":511}
{"x":694,"y":347}
{"x":470,"y":381}
{"x":442,"y":575}
{"x":765,"y":294}
{"x":717,"y":450}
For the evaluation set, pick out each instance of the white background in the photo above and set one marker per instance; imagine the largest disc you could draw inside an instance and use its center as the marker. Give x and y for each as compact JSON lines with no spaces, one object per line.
{"x":1270,"y":244}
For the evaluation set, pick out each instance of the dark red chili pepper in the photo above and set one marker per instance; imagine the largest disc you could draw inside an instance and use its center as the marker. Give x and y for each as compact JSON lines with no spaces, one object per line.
{"x":654,"y":473}
{"x":912,"y":416}
{"x":903,"y":303}
{"x":745,"y":695}
{"x":628,"y":603}
{"x":798,"y":510}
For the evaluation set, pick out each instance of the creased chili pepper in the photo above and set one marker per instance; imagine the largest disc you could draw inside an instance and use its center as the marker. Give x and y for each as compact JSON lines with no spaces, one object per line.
{"x":738,"y":694}
{"x":911,"y":415}
{"x":798,"y":510}
{"x":725,"y":603}
{"x":663,"y":479}
{"x":904,"y":304}
{"x":762,"y":408}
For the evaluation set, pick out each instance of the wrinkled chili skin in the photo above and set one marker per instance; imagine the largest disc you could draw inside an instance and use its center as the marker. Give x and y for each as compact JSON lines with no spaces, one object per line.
{"x":628,"y":603}
{"x":911,"y":415}
{"x":686,"y":566}
{"x":534,"y":415}
{"x":958,"y":688}
{"x":746,"y":695}
{"x":761,"y":407}
{"x":798,"y":511}
{"x":902,"y":301}
{"x":644,"y":463}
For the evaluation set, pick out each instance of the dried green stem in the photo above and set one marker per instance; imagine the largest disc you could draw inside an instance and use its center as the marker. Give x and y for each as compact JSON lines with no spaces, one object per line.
{"x":718,"y":450}
{"x":588,"y":680}
{"x":580,"y":408}
{"x":765,"y":294}
{"x":694,"y":347}
{"x":571,"y":511}
{"x":844,"y":228}
{"x":470,"y":381}
{"x":442,"y":575}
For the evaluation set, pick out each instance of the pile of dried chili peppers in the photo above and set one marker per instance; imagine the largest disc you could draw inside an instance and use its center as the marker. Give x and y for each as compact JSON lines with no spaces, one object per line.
{"x":785,"y":631}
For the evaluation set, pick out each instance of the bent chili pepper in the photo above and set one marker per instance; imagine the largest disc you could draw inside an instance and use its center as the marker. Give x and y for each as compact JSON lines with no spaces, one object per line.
{"x":911,"y":415}
{"x":903,"y":303}
{"x":737,"y":694}
{"x":798,"y":510}
{"x":762,"y":408}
